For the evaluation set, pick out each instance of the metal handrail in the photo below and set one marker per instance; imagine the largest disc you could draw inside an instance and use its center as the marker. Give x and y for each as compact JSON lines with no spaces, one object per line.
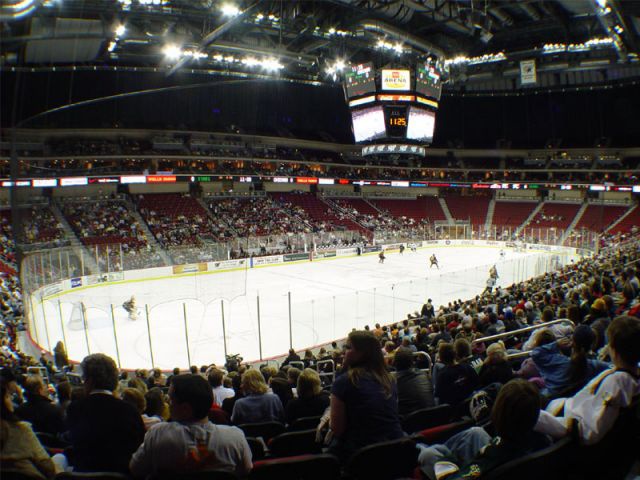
{"x":424,"y":354}
{"x":297,"y":364}
{"x":521,"y":330}
{"x":515,"y":356}
{"x":331,"y":373}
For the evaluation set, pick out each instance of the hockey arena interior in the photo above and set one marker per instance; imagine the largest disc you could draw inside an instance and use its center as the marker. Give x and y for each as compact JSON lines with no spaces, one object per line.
{"x":313,"y":240}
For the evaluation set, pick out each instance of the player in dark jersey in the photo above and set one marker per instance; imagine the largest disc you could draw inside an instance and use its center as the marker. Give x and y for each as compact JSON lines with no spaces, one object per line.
{"x":434,"y":261}
{"x":131,"y":308}
{"x":401,"y":249}
{"x":381,"y":257}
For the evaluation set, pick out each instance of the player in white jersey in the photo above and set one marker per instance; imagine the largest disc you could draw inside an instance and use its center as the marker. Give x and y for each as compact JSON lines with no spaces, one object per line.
{"x":413,"y":247}
{"x":503,"y":254}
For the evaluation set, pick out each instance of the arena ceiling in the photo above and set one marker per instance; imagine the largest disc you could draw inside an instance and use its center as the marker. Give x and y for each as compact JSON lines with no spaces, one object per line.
{"x":313,"y":40}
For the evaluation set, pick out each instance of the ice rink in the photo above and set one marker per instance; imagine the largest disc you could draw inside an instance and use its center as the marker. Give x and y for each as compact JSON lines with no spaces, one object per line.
{"x":327,"y":299}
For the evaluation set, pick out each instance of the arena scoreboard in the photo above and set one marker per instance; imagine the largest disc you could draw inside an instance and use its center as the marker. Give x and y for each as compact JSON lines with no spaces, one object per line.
{"x":394,"y":104}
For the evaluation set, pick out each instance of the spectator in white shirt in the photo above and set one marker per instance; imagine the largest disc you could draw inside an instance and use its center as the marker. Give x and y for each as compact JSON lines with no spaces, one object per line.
{"x":596,"y":407}
{"x":220,"y":392}
{"x":191,"y":442}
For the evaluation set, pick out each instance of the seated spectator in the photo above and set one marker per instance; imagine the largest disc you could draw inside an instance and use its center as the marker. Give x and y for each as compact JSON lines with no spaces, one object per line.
{"x":157,"y":409}
{"x":20,"y":450}
{"x":465,"y":355}
{"x":559,"y":371}
{"x":282,"y":388}
{"x":60,"y":356}
{"x":595,"y":408}
{"x":63,"y":391}
{"x":268,"y":371}
{"x":364,"y":399}
{"x":104,"y":430}
{"x":228,"y":403}
{"x":309,"y":359}
{"x":455,"y":381}
{"x":220,"y":392}
{"x":156,"y":379}
{"x":312,"y":401}
{"x":43,"y":415}
{"x":467,"y":330}
{"x":406,"y":345}
{"x":258,"y":405}
{"x":474,"y":453}
{"x":415,"y":390}
{"x":496,"y":367}
{"x":176,"y":371}
{"x":190,"y":442}
{"x":136,"y":398}
{"x":138,"y":384}
{"x":292,"y":357}
{"x":292,"y":377}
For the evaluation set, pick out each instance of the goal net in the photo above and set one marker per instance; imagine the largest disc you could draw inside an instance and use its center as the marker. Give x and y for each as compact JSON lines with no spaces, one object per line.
{"x":76,"y":319}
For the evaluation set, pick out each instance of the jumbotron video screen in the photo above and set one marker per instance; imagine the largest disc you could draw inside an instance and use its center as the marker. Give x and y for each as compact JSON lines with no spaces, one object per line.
{"x":393,"y":103}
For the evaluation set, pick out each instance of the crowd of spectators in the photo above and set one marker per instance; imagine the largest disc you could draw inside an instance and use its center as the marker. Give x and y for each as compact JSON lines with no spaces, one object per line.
{"x":7,"y":246}
{"x":105,"y":221}
{"x":259,"y":216}
{"x":230,"y":156}
{"x":178,"y":220}
{"x":42,"y":227}
{"x":583,"y":369}
{"x":383,"y":222}
{"x":261,"y":166}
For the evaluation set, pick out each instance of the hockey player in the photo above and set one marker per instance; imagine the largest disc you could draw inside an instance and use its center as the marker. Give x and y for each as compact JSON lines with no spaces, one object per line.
{"x":434,"y":261}
{"x":401,"y":249}
{"x":414,"y":248}
{"x":491,"y":282}
{"x":503,"y":254}
{"x":131,"y":308}
{"x":381,"y":257}
{"x":493,"y":272}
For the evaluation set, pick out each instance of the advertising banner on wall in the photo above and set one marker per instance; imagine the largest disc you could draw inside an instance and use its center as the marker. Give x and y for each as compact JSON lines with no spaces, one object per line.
{"x":270,"y":260}
{"x":294,"y":257}
{"x":325,"y":254}
{"x":190,"y":268}
{"x":228,"y":264}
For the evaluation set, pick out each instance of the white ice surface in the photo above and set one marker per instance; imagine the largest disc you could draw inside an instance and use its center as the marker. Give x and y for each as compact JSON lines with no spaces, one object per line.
{"x":328,"y":299}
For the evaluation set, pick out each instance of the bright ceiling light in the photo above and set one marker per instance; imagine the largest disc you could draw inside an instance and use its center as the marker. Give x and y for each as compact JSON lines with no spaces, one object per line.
{"x":172,"y":52}
{"x":271,"y":64}
{"x":332,"y":31}
{"x":230,"y":10}
{"x":250,"y":61}
{"x":120,"y":30}
{"x":602,"y":3}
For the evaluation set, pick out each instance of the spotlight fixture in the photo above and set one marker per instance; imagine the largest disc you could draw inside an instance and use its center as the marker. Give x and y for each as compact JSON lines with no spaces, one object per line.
{"x":172,"y":52}
{"x":230,"y":10}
